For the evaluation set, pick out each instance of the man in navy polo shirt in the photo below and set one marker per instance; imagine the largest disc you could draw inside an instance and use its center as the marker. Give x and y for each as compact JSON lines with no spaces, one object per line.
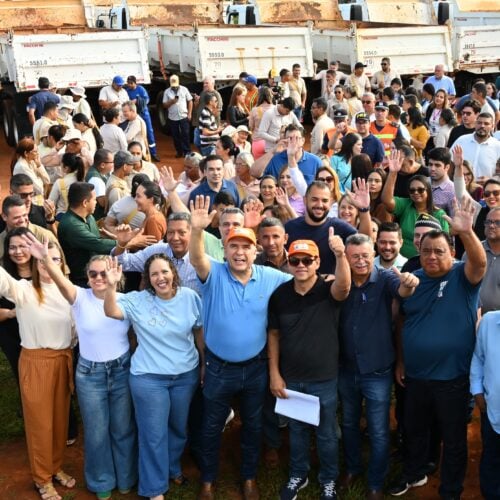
{"x":367,"y":358}
{"x":315,"y":223}
{"x":235,"y":296}
{"x":372,"y":146}
{"x":295,"y":154}
{"x":215,"y":182}
{"x":437,"y":340}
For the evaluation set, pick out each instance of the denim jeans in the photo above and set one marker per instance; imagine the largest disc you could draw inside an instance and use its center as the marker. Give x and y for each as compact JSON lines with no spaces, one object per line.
{"x":375,"y":389}
{"x":326,"y":435}
{"x":448,"y":400}
{"x":489,"y":469}
{"x":298,"y":112}
{"x":207,"y":150}
{"x":223,"y":381}
{"x":161,"y":412}
{"x":271,"y":423}
{"x":108,"y":420}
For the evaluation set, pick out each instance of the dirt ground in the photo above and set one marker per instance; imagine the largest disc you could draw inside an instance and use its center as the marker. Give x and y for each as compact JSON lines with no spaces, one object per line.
{"x":15,"y":481}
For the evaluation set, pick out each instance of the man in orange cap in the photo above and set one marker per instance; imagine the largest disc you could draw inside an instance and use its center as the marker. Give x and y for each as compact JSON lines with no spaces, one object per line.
{"x":235,"y":296}
{"x":303,"y":354}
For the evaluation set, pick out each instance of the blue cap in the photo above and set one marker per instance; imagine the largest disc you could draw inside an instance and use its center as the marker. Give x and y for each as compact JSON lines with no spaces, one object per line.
{"x":251,"y":79}
{"x":118,"y":80}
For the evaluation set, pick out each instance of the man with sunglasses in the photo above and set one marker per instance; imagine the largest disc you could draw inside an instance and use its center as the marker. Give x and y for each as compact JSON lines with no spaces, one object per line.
{"x":303,"y":320}
{"x":332,"y":140}
{"x":383,"y":78}
{"x":367,"y":359}
{"x":435,"y":347}
{"x":489,"y":295}
{"x":469,"y":114}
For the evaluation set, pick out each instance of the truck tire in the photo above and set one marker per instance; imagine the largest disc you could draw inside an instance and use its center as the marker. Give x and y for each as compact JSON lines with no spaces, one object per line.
{"x":9,"y":123}
{"x":443,"y":12}
{"x":356,"y":13}
{"x":162,"y":114}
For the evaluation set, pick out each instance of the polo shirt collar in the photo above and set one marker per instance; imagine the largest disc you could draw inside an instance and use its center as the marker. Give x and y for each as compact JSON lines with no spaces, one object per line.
{"x":372,"y":279}
{"x":230,"y":274}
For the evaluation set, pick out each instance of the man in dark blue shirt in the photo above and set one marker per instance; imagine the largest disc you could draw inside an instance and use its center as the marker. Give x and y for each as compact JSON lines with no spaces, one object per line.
{"x":367,"y":357}
{"x":372,"y":146}
{"x":37,"y":101}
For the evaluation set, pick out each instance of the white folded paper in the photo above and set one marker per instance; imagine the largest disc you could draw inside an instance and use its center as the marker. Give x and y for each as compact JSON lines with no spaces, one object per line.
{"x":299,"y":406}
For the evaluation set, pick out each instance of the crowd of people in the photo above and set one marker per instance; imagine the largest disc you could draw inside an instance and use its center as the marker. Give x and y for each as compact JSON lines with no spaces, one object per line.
{"x":366,"y":263}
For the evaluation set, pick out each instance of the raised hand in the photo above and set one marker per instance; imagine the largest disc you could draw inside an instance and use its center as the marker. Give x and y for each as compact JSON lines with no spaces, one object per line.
{"x":335,"y":243}
{"x":39,"y":251}
{"x":360,"y":196}
{"x":281,"y":197}
{"x":200,"y":217}
{"x":49,"y":209}
{"x":168,"y":179}
{"x":463,"y":217}
{"x":458,"y":156}
{"x":113,"y":271}
{"x":253,"y":213}
{"x":395,"y":161}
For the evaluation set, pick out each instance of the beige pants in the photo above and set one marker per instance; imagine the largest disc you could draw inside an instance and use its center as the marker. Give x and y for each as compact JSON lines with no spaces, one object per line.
{"x":46,"y":382}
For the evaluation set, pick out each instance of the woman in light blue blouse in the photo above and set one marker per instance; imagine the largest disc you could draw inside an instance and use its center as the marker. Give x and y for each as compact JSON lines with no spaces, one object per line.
{"x":165,"y":368}
{"x":341,"y":161}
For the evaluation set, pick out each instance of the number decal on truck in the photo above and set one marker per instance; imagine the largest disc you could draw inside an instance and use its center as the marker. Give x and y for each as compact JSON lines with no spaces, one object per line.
{"x":38,"y":62}
{"x":470,"y":46}
{"x":369,"y":53}
{"x":216,"y":54}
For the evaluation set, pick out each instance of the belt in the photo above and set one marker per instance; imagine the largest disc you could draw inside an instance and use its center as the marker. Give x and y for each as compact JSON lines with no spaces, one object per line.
{"x":262,"y":355}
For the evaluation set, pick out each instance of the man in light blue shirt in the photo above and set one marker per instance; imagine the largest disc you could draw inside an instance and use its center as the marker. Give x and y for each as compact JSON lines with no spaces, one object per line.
{"x":440,"y":81}
{"x":485,"y":387}
{"x":235,"y":297}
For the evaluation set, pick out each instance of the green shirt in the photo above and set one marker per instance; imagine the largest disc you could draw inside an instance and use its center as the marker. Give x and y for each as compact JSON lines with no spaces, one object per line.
{"x":213,"y":247}
{"x":80,"y":240}
{"x":407,"y":215}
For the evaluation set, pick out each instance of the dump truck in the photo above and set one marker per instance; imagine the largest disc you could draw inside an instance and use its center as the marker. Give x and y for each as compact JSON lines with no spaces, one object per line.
{"x":60,"y":40}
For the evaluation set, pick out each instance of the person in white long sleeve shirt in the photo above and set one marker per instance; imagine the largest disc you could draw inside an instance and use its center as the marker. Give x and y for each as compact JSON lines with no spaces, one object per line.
{"x":322,"y":123}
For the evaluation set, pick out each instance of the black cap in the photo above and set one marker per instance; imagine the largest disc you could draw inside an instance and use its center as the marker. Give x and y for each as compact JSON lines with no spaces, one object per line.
{"x":362,"y":117}
{"x":359,"y":65}
{"x":381,"y":105}
{"x":339,"y":113}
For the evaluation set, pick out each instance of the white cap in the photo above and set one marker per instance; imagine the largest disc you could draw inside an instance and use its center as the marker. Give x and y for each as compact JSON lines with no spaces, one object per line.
{"x":71,"y":134}
{"x":80,"y":91}
{"x":66,"y":102}
{"x":229,"y":130}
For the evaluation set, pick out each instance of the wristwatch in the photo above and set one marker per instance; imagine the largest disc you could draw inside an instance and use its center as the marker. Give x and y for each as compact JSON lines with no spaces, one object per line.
{"x":364,"y":210}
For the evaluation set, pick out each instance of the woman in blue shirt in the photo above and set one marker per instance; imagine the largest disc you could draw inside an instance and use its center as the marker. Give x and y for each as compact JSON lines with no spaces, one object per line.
{"x":164,"y":371}
{"x":341,"y":161}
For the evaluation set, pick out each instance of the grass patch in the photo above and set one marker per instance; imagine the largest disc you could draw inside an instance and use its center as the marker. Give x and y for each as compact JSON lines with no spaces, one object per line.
{"x":11,"y":423}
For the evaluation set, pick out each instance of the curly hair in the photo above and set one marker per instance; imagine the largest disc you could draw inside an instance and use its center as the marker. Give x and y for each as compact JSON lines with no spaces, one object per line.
{"x":176,"y":281}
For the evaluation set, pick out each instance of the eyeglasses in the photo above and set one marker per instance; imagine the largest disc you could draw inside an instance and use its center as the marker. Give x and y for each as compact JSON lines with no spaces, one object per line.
{"x":94,"y":274}
{"x":491,"y":223}
{"x":18,"y":248}
{"x":366,"y":102}
{"x":487,"y":194}
{"x":417,"y":190}
{"x":295,"y":261}
{"x":26,"y":195}
{"x":328,"y":179}
{"x":466,"y":113}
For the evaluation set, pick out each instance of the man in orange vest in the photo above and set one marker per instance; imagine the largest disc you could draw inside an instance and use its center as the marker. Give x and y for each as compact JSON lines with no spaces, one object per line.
{"x":383,"y":129}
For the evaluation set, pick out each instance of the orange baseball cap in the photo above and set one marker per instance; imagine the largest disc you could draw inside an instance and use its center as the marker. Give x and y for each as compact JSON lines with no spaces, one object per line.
{"x":307,"y":247}
{"x":241,"y":232}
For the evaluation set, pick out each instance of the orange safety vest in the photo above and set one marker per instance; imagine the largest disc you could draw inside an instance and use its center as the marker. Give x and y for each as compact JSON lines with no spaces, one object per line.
{"x":386,"y":135}
{"x":330,"y":133}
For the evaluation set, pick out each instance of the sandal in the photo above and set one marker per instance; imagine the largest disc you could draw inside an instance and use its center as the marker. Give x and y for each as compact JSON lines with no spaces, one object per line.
{"x":47,"y":491}
{"x":65,"y":479}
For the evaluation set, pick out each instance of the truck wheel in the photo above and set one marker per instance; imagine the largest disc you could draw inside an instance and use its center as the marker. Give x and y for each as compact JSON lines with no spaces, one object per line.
{"x":162,"y":114}
{"x":9,"y":122}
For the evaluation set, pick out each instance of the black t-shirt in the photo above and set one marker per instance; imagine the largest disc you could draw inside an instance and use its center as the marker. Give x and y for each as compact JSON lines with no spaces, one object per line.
{"x":308,"y":326}
{"x":457,"y":132}
{"x":403,"y":181}
{"x":412,"y":265}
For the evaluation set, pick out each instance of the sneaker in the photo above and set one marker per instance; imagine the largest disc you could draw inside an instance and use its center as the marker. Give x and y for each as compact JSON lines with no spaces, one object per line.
{"x":291,"y":489}
{"x":328,"y":491}
{"x":403,"y":486}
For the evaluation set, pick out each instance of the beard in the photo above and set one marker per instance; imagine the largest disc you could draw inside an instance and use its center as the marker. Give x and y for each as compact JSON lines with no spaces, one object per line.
{"x":314,"y":217}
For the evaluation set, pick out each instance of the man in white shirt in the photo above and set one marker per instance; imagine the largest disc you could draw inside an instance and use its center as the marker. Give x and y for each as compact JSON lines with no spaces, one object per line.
{"x":113,"y":96}
{"x":334,"y":66}
{"x":275,"y":120}
{"x":359,"y":80}
{"x":298,"y":91}
{"x":179,"y":103}
{"x":389,"y":243}
{"x":481,"y":149}
{"x":383,"y":78}
{"x":135,"y":128}
{"x":322,"y":123}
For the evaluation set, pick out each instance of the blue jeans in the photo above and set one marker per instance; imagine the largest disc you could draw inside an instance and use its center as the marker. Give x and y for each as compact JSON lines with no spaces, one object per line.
{"x":223,"y":381}
{"x":108,"y":420}
{"x":161,"y":411}
{"x":207,"y":150}
{"x":489,"y":469}
{"x":326,"y":435}
{"x":375,"y":389}
{"x":298,"y":112}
